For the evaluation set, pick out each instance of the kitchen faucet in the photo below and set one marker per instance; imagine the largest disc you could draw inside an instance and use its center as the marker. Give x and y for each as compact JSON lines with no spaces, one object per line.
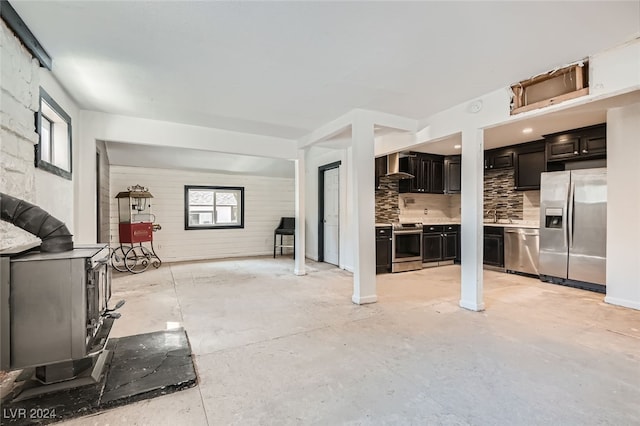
{"x":495,"y":214}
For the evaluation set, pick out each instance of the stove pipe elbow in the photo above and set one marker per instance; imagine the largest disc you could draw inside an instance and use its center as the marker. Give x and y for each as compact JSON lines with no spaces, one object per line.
{"x":53,"y":232}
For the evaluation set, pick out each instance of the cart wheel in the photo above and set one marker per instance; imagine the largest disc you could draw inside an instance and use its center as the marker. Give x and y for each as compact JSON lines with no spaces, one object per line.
{"x":117,"y":259}
{"x":137,"y":259}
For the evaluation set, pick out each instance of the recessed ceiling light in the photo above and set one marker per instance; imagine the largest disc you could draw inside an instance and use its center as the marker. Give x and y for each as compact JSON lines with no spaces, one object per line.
{"x":457,"y":146}
{"x":527,"y":130}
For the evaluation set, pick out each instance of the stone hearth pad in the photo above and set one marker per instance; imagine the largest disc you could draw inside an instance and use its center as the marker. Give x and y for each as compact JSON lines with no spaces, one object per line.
{"x":139,"y":367}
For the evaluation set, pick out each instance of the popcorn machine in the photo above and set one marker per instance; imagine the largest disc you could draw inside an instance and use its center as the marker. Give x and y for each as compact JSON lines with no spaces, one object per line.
{"x":136,"y":226}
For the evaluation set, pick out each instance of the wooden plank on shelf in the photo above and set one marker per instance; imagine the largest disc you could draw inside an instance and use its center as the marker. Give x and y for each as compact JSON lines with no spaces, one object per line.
{"x":551,"y":101}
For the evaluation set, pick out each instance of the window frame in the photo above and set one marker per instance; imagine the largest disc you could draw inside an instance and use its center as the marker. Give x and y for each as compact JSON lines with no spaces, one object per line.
{"x":39,"y":161}
{"x":189,"y":227}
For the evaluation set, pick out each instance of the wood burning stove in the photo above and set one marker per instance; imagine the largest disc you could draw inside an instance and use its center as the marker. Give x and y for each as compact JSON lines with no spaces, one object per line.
{"x":54,"y":315}
{"x":54,"y":312}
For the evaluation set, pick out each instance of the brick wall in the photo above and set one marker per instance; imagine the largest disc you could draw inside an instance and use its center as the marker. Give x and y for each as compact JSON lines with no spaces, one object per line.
{"x":19,"y":97}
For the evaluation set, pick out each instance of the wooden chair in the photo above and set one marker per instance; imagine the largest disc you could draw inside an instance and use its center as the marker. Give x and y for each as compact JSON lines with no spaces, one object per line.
{"x":287,"y":227}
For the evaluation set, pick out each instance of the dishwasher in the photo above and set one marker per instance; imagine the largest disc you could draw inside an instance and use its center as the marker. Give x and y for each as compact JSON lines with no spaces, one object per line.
{"x":521,"y":248}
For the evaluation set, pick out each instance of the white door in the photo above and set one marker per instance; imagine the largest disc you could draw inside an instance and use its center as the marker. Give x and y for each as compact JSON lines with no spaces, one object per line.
{"x":331,"y":215}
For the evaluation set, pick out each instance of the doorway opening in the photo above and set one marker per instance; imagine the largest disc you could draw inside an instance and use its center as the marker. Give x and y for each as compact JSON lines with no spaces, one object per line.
{"x":329,"y":213}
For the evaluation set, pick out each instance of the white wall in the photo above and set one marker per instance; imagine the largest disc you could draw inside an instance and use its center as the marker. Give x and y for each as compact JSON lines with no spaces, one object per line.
{"x":266,"y":201}
{"x":623,"y":206}
{"x":107,"y":127}
{"x":316,"y":157}
{"x":53,"y":193}
{"x":21,"y":78}
{"x":615,"y":70}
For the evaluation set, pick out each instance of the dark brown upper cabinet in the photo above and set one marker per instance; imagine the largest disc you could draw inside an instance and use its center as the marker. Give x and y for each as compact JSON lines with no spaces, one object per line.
{"x":579,"y":144}
{"x":428,"y":171}
{"x":529,"y":163}
{"x":381,"y":169}
{"x":452,"y":174}
{"x":500,"y":158}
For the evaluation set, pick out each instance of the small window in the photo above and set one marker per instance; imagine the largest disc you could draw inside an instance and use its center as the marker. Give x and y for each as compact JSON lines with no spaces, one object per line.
{"x":211,"y":207}
{"x":53,"y":152}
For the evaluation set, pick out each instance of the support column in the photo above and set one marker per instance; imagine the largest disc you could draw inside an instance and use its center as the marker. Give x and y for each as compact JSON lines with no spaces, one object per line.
{"x":623,"y":205}
{"x":363,"y":196}
{"x":299,"y":264}
{"x":471,"y":291}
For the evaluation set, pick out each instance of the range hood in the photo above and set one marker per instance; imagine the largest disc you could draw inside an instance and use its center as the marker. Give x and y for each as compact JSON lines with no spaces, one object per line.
{"x":393,"y":167}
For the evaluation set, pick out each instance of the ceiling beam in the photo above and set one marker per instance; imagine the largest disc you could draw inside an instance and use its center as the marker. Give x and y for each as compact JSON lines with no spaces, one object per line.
{"x":24,"y":34}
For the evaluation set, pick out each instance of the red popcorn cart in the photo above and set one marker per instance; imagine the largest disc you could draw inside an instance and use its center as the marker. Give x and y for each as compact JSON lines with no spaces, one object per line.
{"x":135,"y":227}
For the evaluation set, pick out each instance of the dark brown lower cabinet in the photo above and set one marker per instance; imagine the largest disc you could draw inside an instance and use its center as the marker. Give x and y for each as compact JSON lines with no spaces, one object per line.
{"x":450,"y":246}
{"x":432,"y":247}
{"x":440,"y":242}
{"x":383,"y":249}
{"x":493,"y":247}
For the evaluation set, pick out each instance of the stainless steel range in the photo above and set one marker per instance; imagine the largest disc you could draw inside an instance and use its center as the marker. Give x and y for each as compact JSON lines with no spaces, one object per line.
{"x":406,"y":251}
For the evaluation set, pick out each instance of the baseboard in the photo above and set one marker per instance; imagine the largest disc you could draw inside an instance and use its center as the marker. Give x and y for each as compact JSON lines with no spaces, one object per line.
{"x":472,"y":306}
{"x":364,"y":299}
{"x":622,"y":302}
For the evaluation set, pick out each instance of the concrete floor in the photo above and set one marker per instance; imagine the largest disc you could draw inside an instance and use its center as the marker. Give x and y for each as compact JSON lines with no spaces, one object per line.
{"x":274,"y":348}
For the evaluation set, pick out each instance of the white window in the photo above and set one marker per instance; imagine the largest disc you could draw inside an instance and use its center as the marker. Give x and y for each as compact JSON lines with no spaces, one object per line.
{"x":54,"y":127}
{"x":209,"y":207}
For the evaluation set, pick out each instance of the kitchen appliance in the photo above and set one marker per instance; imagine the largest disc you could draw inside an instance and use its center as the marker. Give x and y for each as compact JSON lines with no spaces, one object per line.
{"x":573,"y":228}
{"x":393,"y":167}
{"x":406,"y":247}
{"x":521,"y":249}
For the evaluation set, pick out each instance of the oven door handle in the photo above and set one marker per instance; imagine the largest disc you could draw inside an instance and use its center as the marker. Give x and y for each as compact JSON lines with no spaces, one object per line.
{"x":407,"y":232}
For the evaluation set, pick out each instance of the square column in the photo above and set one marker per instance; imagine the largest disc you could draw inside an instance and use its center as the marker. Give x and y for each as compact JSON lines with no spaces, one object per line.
{"x":363,"y":202}
{"x":472,"y":202}
{"x":299,"y":263}
{"x":623,"y":205}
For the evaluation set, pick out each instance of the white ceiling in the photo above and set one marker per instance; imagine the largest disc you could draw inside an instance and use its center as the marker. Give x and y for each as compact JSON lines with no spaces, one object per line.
{"x":286,"y":68}
{"x":126,"y":154}
{"x":511,"y":133}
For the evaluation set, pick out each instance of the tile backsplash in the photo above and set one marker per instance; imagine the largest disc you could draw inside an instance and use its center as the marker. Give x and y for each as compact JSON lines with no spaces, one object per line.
{"x":429,"y":208}
{"x":387,"y":201}
{"x":531,"y":206}
{"x":499,"y":194}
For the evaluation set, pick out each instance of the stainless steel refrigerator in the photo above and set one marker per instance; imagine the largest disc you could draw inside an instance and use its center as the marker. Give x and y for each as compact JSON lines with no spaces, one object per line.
{"x":573,"y":226}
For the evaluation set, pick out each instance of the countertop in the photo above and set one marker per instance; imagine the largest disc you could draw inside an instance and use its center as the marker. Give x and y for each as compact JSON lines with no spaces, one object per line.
{"x":527,"y":225}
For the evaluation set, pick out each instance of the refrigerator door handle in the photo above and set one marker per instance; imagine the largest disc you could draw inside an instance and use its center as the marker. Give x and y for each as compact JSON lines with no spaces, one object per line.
{"x":572,"y":192}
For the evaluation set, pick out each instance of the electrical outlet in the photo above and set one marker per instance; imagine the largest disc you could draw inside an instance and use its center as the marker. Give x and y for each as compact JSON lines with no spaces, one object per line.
{"x":426,"y":211}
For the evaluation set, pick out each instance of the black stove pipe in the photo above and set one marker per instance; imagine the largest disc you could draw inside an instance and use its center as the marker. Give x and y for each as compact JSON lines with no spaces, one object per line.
{"x":53,"y":232}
